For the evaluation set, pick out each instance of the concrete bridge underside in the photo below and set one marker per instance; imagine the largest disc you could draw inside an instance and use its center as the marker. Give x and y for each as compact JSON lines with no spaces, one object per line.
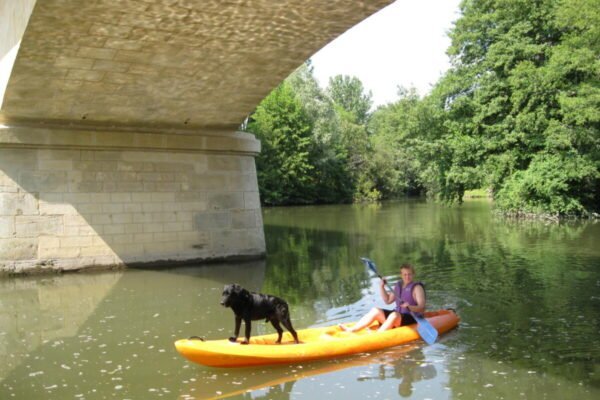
{"x":118,"y":141}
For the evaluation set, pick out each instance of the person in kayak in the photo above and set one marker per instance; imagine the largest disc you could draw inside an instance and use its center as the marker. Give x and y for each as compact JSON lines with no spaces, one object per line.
{"x":409,"y":297}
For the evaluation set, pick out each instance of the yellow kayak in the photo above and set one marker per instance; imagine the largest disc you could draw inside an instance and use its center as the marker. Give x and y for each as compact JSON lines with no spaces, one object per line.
{"x":316,"y":344}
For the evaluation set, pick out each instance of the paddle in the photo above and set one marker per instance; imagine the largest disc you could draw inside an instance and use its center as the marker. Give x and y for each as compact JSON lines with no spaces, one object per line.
{"x":427,"y":332}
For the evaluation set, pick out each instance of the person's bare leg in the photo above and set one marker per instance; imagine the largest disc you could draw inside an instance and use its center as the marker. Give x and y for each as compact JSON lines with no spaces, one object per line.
{"x":392,"y":321}
{"x":375,"y":314}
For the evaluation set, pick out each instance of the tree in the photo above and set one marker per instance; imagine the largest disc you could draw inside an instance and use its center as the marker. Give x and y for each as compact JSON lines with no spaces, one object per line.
{"x":516,"y":114}
{"x":521,"y":104}
{"x":352,"y":106}
{"x":348,"y":93}
{"x":283,"y":166}
{"x":328,"y":155}
{"x":397,"y":128}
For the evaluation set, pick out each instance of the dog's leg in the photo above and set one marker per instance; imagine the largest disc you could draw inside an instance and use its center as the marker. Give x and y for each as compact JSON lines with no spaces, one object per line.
{"x":248,"y":323}
{"x":288,"y":325}
{"x":238,"y":323}
{"x":277,"y":327}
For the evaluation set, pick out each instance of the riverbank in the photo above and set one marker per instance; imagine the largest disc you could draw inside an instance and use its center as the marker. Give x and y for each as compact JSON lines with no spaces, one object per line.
{"x":527,"y":215}
{"x":49,"y":268}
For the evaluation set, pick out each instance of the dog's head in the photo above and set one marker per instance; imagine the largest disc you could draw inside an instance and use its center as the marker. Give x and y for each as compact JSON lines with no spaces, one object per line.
{"x":232,"y":294}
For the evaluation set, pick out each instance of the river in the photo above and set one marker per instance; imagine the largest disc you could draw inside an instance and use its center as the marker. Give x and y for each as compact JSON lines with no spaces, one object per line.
{"x":527,"y":292}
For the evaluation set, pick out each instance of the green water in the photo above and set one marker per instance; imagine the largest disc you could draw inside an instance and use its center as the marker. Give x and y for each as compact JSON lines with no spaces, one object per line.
{"x":528,"y":294}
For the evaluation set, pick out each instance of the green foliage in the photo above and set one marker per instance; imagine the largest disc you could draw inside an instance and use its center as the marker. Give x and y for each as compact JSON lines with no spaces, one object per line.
{"x":283,"y":167}
{"x":516,"y":115}
{"x":332,"y":183}
{"x":315,"y":143}
{"x":398,"y":145}
{"x":348,"y":94}
{"x":553,"y":183}
{"x":521,"y":105}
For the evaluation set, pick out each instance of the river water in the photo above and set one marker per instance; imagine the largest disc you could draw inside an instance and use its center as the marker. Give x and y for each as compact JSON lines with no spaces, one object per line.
{"x":528,"y":294}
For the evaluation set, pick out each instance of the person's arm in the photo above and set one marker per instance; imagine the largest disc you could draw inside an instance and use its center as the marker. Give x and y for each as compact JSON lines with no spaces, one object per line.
{"x":419,"y":296}
{"x":388,"y":297}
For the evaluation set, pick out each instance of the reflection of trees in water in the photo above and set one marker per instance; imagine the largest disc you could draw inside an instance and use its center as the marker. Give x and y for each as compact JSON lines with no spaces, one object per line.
{"x":506,"y":276}
{"x":310,"y":264}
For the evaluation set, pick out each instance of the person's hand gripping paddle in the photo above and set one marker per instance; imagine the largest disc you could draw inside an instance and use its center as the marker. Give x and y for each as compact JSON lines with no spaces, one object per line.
{"x":427,"y":332}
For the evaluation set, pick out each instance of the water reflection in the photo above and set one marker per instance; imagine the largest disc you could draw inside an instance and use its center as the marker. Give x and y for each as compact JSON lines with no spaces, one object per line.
{"x":406,"y":364}
{"x":88,"y":335}
{"x":409,"y":370}
{"x":527,"y":293}
{"x":527,"y":290}
{"x":34,"y":312}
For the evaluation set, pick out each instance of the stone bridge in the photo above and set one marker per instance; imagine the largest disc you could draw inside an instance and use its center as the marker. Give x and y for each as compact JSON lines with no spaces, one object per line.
{"x":118,"y":124}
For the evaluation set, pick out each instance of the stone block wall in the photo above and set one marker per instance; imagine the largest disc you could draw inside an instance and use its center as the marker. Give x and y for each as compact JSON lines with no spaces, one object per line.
{"x":86,"y":207}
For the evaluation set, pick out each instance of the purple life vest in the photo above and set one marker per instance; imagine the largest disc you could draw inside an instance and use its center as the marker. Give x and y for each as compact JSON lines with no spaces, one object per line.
{"x":405,"y":295}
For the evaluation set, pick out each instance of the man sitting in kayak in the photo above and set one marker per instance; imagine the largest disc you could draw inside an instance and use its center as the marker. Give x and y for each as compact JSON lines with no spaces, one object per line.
{"x":409,"y":298}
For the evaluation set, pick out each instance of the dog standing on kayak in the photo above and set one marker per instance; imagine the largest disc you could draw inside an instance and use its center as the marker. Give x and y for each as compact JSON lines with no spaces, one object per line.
{"x":249,"y":306}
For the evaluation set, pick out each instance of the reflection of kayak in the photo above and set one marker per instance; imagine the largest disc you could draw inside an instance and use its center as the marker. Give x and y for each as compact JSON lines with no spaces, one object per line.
{"x":272,"y":377}
{"x":316,"y":343}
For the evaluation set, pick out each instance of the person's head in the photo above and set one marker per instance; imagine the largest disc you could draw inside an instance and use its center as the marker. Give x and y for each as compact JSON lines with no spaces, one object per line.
{"x":405,"y":388}
{"x":407,"y":272}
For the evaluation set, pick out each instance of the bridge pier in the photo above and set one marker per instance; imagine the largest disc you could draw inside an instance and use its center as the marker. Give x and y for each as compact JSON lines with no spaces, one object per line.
{"x":80,"y":197}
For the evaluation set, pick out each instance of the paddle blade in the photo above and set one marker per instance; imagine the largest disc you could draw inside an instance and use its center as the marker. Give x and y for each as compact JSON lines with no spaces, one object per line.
{"x":370,"y":264}
{"x":427,"y":332}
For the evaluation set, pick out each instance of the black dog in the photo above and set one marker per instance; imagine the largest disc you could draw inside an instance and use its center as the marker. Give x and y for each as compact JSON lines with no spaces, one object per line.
{"x":250,"y":306}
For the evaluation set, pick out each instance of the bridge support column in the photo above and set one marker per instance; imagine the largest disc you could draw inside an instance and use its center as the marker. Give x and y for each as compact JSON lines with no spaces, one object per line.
{"x":74,"y":198}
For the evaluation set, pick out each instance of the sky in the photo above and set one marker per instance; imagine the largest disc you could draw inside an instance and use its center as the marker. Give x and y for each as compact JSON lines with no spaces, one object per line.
{"x":403,"y":44}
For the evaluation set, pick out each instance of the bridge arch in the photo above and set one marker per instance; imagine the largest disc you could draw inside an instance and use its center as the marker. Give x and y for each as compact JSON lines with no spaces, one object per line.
{"x":118,"y":141}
